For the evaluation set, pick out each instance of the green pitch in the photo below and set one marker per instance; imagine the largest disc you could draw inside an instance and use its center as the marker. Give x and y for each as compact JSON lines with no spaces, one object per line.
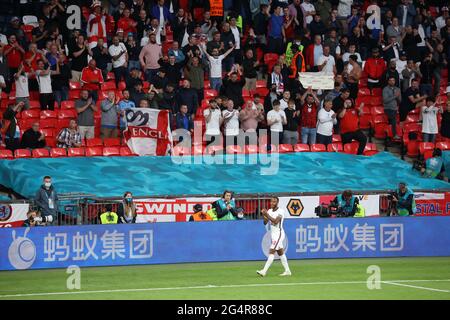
{"x":401,"y":278}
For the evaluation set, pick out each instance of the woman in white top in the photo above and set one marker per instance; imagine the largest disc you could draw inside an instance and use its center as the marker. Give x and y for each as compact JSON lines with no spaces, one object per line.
{"x":326,"y":120}
{"x":429,"y":111}
{"x":43,"y":77}
{"x":231,"y":123}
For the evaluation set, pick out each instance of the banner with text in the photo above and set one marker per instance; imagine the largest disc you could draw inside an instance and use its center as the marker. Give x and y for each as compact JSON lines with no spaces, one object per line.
{"x":13,"y":215}
{"x":216,"y":8}
{"x":157,"y":243}
{"x":148,"y":131}
{"x":316,"y":80}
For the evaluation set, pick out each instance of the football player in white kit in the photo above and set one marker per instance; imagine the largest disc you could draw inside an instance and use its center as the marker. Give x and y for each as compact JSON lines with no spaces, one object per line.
{"x":276,"y":216}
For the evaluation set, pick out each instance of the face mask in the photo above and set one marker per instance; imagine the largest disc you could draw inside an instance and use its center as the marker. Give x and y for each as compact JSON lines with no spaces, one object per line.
{"x":48,"y":184}
{"x":129,"y":200}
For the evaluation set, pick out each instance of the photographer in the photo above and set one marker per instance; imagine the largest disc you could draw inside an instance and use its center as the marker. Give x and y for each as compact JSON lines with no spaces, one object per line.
{"x":346,"y":203}
{"x":403,"y":200}
{"x":225,"y":207}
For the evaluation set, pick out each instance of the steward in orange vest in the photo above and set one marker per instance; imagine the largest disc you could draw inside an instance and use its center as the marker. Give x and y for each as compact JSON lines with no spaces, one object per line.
{"x":199,"y":215}
{"x":297,"y":65}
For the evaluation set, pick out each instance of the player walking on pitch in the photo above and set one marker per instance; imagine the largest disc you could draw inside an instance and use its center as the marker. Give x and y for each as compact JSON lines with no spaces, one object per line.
{"x":276,"y":216}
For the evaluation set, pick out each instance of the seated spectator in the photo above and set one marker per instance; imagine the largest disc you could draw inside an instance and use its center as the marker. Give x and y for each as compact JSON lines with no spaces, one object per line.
{"x":69,"y":137}
{"x":276,"y":118}
{"x":33,"y":138}
{"x":213,"y":120}
{"x":110,"y":111}
{"x":429,"y":110}
{"x":86,"y":108}
{"x":349,"y":125}
{"x":91,"y":79}
{"x":308,"y":116}
{"x":326,"y":119}
{"x":10,"y":126}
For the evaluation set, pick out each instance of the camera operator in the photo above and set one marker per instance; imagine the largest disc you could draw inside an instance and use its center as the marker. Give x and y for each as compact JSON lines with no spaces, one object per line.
{"x":34,"y":219}
{"x":403,"y":200}
{"x":346,"y":203}
{"x":225,"y":207}
{"x":434,"y":166}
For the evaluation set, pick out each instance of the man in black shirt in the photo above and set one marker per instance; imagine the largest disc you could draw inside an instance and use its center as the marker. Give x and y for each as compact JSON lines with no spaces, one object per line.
{"x":32,"y":138}
{"x":338,"y":105}
{"x":79,"y":55}
{"x":290,"y":133}
{"x":60,"y":82}
{"x":260,"y":24}
{"x":232,"y":88}
{"x":249,"y":64}
{"x":409,"y":99}
{"x":101,"y":56}
{"x":427,"y":69}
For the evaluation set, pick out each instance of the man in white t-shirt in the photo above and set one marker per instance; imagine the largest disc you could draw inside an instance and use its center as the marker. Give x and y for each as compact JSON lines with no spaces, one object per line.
{"x":231,"y":123}
{"x":213,"y":120}
{"x":22,"y":90}
{"x":43,"y":77}
{"x":2,"y":84}
{"x":276,"y":118}
{"x":429,"y":111}
{"x":284,"y":102}
{"x":308,"y":12}
{"x":119,"y":55}
{"x":215,"y":63}
{"x":326,"y":62}
{"x":326,"y":119}
{"x":275,"y":215}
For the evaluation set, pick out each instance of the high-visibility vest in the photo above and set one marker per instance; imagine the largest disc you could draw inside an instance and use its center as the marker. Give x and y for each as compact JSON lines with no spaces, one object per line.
{"x":200,"y":216}
{"x":109,"y":218}
{"x":294,"y":71}
{"x":360,"y":211}
{"x":212,"y":213}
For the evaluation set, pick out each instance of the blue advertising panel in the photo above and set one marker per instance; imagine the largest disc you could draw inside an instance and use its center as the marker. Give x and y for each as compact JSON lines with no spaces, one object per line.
{"x":156,"y":243}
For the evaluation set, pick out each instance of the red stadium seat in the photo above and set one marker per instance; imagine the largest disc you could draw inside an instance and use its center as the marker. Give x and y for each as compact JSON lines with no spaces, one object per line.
{"x":111,"y":151}
{"x":210,"y":93}
{"x":108,"y":86}
{"x":443,"y":145}
{"x":412,"y":118}
{"x":49,"y":132}
{"x":337,"y":138}
{"x":94,"y":151}
{"x":67,"y":104}
{"x":74,"y":94}
{"x":102,"y":95}
{"x":246,"y":93}
{"x":376,"y":110}
{"x":40,"y":153}
{"x":425,"y":146}
{"x":74,"y":85}
{"x":58,"y":152}
{"x":126,"y":152}
{"x":285,"y":148}
{"x":364,"y":121}
{"x":6,"y":154}
{"x":317,"y":147}
{"x":31,"y":114}
{"x":364,"y":92}
{"x":179,"y":151}
{"x":351,"y":148}
{"x":234,"y":149}
{"x":47,"y":123}
{"x":214,"y":150}
{"x":50,"y":142}
{"x":76,"y":152}
{"x":110,"y":76}
{"x":335,"y":147}
{"x":250,"y":149}
{"x":111,"y":142}
{"x":262,"y":91}
{"x":122,"y":86}
{"x":301,"y":147}
{"x":67,"y":114}
{"x":261,"y":84}
{"x":22,"y":153}
{"x":49,"y":114}
{"x":412,"y":148}
{"x":94,"y":142}
{"x":263,"y":148}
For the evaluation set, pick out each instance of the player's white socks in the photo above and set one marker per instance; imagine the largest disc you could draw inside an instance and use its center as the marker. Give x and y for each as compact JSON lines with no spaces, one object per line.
{"x":268,"y":262}
{"x":284,"y":262}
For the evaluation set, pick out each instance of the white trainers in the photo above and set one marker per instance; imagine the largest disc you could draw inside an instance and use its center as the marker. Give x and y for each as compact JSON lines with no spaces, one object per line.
{"x":261,"y":273}
{"x":286,"y":273}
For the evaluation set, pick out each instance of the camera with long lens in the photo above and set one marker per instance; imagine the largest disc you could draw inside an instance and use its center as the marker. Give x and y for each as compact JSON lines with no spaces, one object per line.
{"x":43,"y":219}
{"x":327,"y":210}
{"x":392,"y":195}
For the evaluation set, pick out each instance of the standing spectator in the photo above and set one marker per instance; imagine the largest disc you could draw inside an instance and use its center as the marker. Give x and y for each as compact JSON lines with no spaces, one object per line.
{"x":276,"y":80}
{"x":227,"y":38}
{"x":176,"y":52}
{"x":40,"y":33}
{"x":69,"y":137}
{"x":119,"y":55}
{"x":96,"y":24}
{"x":110,"y":111}
{"x":352,"y":74}
{"x":261,"y":22}
{"x":14,"y":52}
{"x":409,"y":99}
{"x":249,"y":66}
{"x":445,"y":122}
{"x":349,"y":126}
{"x":22,"y":89}
{"x":230,"y":118}
{"x":161,"y":13}
{"x":308,"y":12}
{"x":188,"y":96}
{"x":149,"y":56}
{"x":308,"y":116}
{"x":249,"y":117}
{"x":395,"y":30}
{"x":391,"y":100}
{"x":232,"y":87}
{"x":91,"y":79}
{"x":133,"y":53}
{"x":47,"y":200}
{"x":60,"y":82}
{"x":290,"y":129}
{"x":322,"y":8}
{"x":172,"y":67}
{"x":317,"y":26}
{"x":326,"y":62}
{"x":284,"y":101}
{"x":183,"y":120}
{"x":313,"y":52}
{"x":12,"y":130}
{"x":375,"y":68}
{"x":215,"y":62}
{"x":429,"y":111}
{"x":276,"y":118}
{"x":125,"y":104}
{"x":33,"y":138}
{"x":276,"y":34}
{"x":101,"y":56}
{"x":326,"y":120}
{"x":406,"y":13}
{"x":126,"y":23}
{"x":79,"y":54}
{"x":392,"y":72}
{"x":213,"y":120}
{"x":441,"y":63}
{"x":195,"y":73}
{"x":410,"y":73}
{"x":86,"y":108}
{"x":43,"y":76}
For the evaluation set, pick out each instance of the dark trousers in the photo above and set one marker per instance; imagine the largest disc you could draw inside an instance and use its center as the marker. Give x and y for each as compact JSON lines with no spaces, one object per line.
{"x":275,"y":45}
{"x":47,"y":101}
{"x":372,"y":85}
{"x":353,"y":87}
{"x":391,"y":114}
{"x":120,"y":73}
{"x":12,"y":144}
{"x":321,"y":139}
{"x":355,"y":135}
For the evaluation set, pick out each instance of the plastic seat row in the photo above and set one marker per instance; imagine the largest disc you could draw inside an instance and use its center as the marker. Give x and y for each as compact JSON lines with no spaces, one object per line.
{"x":70,"y":152}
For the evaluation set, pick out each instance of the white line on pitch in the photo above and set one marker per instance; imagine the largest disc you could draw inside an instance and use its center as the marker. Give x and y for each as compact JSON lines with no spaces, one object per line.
{"x":395,"y":283}
{"x":215,"y":286}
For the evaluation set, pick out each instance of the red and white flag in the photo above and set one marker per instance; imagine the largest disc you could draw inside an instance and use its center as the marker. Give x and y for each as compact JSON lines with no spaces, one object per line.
{"x":148,"y":131}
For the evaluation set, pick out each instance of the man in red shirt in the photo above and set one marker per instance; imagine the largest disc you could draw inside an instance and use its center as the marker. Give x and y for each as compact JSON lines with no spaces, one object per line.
{"x":308,"y":120}
{"x":350,"y":126}
{"x":14,"y":52}
{"x":374,"y":68}
{"x":126,"y":23}
{"x":92,"y":78}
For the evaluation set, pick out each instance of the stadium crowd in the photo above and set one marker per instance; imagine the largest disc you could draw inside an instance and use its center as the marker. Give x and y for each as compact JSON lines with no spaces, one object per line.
{"x":236,"y":70}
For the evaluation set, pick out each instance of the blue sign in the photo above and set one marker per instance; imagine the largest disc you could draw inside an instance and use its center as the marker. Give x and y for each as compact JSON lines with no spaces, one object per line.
{"x":107,"y":245}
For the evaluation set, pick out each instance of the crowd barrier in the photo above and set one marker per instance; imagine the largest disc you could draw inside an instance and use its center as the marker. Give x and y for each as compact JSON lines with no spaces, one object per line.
{"x":160,"y":243}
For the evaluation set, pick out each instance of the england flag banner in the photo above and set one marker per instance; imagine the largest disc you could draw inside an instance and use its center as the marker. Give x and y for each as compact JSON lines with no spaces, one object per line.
{"x":148,"y":131}
{"x":316,"y":80}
